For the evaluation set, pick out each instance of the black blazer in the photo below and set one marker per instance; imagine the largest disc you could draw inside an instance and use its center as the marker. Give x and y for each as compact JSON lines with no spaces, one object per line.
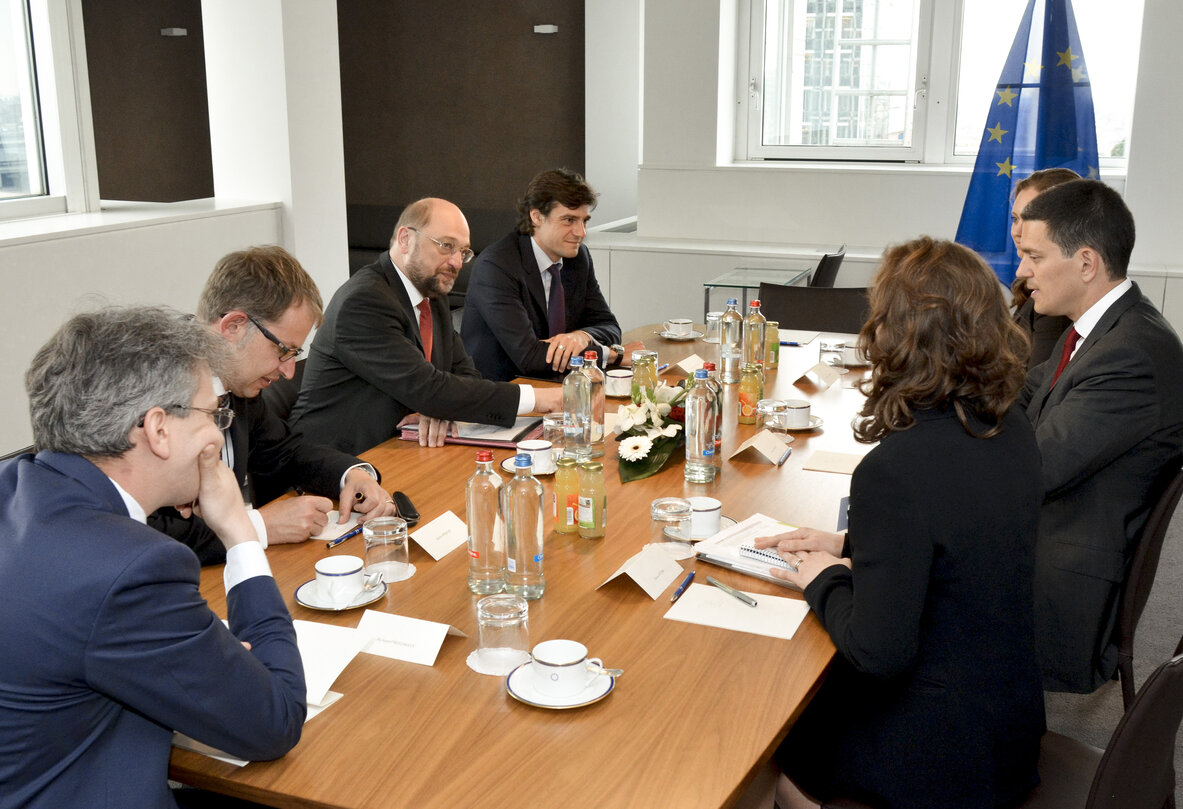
{"x":934,"y":699}
{"x":366,"y":370}
{"x":1107,"y":431}
{"x":505,"y":310}
{"x":269,"y":458}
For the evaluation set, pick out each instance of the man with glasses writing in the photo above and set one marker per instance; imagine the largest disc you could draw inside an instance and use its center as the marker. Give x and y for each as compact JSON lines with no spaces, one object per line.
{"x":387,"y":354}
{"x":263,"y":305}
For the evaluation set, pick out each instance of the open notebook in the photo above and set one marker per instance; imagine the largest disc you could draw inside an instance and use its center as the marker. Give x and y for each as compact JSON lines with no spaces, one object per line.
{"x":486,"y":435}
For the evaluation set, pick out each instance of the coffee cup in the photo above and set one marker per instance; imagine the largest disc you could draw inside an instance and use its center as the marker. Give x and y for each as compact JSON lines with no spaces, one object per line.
{"x":679,"y":326}
{"x":619,"y":382}
{"x":562,"y":667}
{"x":796,"y":414}
{"x":704,"y":516}
{"x":852,"y":356}
{"x":341,"y":579}
{"x":542,"y":457}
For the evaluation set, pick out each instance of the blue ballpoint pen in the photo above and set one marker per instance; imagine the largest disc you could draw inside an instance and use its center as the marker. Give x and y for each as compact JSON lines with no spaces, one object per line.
{"x":789,"y":343}
{"x":682,"y":587}
{"x":332,"y":543}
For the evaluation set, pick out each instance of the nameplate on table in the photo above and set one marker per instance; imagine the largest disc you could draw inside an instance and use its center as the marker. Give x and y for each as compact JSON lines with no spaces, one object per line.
{"x":401,"y":638}
{"x":767,"y":445}
{"x":691,"y":364}
{"x":442,"y":535}
{"x":821,"y":375}
{"x":653,"y":569}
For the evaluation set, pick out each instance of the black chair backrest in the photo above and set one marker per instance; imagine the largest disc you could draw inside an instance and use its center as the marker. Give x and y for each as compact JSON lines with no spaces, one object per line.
{"x":1137,"y":769}
{"x":827,"y":269}
{"x":840,"y":309}
{"x":1140,"y":577}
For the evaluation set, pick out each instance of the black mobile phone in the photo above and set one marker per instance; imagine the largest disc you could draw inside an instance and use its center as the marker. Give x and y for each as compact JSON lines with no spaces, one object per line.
{"x":406,"y":509}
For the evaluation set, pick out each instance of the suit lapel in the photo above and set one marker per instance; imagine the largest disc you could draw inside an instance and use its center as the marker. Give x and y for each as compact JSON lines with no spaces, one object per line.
{"x":240,"y":439}
{"x":395,"y":282}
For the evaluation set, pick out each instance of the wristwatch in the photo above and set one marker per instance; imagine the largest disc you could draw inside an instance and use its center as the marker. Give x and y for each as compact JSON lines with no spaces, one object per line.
{"x":619,"y":349}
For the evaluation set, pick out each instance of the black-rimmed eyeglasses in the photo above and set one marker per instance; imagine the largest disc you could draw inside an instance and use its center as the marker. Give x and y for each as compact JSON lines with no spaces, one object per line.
{"x":285,"y":353}
{"x":447,"y":248}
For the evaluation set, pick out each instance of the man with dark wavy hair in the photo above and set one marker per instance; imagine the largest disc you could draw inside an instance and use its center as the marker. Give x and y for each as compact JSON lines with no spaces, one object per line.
{"x":533,"y":301}
{"x":1107,"y":407}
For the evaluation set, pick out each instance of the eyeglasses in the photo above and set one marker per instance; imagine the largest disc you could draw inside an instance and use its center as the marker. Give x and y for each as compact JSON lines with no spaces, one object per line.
{"x":285,"y":353}
{"x":223,"y":416}
{"x":449,"y":249}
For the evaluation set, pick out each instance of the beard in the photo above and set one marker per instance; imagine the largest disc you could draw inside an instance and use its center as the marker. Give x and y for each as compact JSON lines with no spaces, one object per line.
{"x":429,"y":282}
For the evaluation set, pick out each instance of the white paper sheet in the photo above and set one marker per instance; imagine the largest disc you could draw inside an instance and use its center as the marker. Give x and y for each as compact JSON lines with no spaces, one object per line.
{"x":402,"y":638}
{"x":774,"y":616}
{"x":332,"y":530}
{"x":326,"y":650}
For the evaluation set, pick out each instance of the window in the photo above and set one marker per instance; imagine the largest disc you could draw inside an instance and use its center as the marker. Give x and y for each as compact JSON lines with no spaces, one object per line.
{"x":22,"y":166}
{"x":852,"y":79}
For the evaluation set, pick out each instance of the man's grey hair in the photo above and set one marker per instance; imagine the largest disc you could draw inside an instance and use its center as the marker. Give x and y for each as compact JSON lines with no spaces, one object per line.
{"x":92,"y":383}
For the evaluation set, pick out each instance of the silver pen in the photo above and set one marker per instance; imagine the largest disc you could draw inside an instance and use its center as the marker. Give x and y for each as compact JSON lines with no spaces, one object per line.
{"x":731,"y":591}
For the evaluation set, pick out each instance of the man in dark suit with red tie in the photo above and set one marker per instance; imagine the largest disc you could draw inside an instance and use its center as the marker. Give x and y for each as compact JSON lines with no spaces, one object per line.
{"x":1107,"y":407}
{"x":533,"y":301}
{"x":387,"y":355}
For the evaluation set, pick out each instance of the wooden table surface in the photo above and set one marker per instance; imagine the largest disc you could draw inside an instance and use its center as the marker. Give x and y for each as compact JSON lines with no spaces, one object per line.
{"x":696,"y":712}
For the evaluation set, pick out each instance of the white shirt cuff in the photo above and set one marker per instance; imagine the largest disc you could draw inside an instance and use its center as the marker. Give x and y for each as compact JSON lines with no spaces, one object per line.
{"x":244,"y":561}
{"x":365,"y":467}
{"x":260,"y":526}
{"x":526,"y":402}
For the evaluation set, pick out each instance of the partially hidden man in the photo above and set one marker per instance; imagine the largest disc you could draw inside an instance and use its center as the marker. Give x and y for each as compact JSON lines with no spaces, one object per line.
{"x":108,"y":646}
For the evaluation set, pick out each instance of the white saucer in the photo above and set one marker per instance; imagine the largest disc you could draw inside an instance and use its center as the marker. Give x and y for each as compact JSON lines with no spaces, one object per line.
{"x":520,"y":685}
{"x":308,"y":595}
{"x":693,"y":335}
{"x":507,"y":466}
{"x":814,"y":423}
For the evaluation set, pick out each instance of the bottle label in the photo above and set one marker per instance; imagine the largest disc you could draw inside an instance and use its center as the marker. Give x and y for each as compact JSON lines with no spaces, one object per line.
{"x":474,"y":553}
{"x":747,"y":405}
{"x":572,"y":509}
{"x":538,"y":559}
{"x":512,"y":564}
{"x":587,"y":517}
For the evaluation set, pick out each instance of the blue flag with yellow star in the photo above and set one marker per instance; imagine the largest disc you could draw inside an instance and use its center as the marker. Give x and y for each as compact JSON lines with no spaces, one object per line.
{"x":1041,"y":117}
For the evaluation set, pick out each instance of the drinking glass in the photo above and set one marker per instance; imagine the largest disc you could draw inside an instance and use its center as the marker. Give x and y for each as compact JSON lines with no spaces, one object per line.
{"x":386,"y":548}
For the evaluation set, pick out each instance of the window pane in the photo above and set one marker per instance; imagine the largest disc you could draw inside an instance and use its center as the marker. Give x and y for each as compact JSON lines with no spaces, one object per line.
{"x":22,"y":171}
{"x":839,"y":72}
{"x":1110,"y":36}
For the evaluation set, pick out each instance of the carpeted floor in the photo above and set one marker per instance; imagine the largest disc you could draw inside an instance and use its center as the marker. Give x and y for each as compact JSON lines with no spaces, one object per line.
{"x":1091,"y":718}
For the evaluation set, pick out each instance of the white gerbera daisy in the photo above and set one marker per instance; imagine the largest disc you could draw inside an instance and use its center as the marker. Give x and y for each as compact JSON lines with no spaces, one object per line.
{"x":634,"y":448}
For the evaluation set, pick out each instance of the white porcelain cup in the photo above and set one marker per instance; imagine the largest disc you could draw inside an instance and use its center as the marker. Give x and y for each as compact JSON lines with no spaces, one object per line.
{"x":619,"y":382}
{"x":680,"y":326}
{"x":852,"y":357}
{"x":796,"y":414}
{"x":704,"y":516}
{"x":341,"y":579}
{"x":541,"y":455}
{"x":562,"y":667}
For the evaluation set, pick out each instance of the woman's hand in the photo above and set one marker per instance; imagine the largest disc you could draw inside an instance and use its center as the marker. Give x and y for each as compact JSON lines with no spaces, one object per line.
{"x":809,"y":550}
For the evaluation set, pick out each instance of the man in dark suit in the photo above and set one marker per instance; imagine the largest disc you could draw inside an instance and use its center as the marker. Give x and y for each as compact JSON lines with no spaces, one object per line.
{"x":533,"y":301}
{"x":262,"y":304}
{"x":387,"y":355}
{"x":108,"y":644}
{"x":1108,"y":414}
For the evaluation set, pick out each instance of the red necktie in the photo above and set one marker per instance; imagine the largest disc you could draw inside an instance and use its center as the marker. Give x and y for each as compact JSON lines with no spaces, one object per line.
{"x":425,"y":326}
{"x":1069,"y":346}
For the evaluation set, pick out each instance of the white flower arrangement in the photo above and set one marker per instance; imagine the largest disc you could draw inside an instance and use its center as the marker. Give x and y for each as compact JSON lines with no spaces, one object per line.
{"x":648,"y":417}
{"x":635,"y":448}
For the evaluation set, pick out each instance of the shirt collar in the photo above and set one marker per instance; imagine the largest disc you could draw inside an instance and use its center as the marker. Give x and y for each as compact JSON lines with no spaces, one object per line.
{"x":1088,"y":321}
{"x":219,"y":388}
{"x":134,"y":509}
{"x":544,"y":262}
{"x":412,"y":292}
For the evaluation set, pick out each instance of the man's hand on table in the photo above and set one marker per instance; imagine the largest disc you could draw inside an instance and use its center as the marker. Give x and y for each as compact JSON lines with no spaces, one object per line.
{"x":374,"y":502}
{"x":811,"y":551}
{"x":294,"y":519}
{"x":432,"y":431}
{"x":626,"y":359}
{"x":562,"y":347}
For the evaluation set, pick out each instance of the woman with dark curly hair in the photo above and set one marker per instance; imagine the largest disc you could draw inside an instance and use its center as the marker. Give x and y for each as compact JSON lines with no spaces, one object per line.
{"x":934,"y":698}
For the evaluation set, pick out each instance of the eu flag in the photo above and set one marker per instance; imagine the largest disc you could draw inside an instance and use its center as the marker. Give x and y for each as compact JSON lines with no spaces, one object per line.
{"x":1041,"y":116}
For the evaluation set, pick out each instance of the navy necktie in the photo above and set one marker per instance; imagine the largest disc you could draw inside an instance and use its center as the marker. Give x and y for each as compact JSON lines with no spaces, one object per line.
{"x":556,"y":307}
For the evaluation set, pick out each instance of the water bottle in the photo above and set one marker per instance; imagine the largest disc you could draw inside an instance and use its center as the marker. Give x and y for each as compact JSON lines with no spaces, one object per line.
{"x":701,"y":426}
{"x":577,"y":410}
{"x":595,"y":378}
{"x":521,"y":509}
{"x":754,"y":334}
{"x":486,"y":542}
{"x":717,"y":389}
{"x":731,"y":341}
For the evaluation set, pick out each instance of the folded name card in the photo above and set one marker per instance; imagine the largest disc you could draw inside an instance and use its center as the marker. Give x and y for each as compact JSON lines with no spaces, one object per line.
{"x":767,"y":445}
{"x":691,"y":364}
{"x":653,"y":569}
{"x":442,"y":535}
{"x":402,"y":638}
{"x":821,"y":375}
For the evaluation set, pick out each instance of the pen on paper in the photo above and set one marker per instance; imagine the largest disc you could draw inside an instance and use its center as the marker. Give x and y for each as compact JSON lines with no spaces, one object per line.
{"x":332,"y":543}
{"x":793,"y":343}
{"x":662,"y":367}
{"x":731,"y":591}
{"x":682,"y":587}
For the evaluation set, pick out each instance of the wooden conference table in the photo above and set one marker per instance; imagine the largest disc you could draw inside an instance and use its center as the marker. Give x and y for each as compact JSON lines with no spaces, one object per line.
{"x":696,"y":713}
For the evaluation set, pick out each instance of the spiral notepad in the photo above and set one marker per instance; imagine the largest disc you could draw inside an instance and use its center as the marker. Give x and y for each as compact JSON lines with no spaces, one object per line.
{"x":765,"y":555}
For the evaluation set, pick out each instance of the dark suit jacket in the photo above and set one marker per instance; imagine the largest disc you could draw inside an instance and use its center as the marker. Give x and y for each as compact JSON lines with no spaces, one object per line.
{"x":1043,"y":330}
{"x":366,"y":369}
{"x":505,"y":310}
{"x":1107,"y":431}
{"x":269,"y":459}
{"x":934,"y":699}
{"x":109,"y":647}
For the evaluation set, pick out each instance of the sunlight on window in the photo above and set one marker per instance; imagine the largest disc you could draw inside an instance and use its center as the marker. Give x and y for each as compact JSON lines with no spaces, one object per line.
{"x":22,"y":171}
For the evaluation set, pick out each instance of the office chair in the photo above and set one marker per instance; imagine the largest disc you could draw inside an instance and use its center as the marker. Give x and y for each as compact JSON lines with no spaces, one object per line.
{"x":1140,"y":578}
{"x":827,"y":269}
{"x":1136,"y":770}
{"x":837,"y":309}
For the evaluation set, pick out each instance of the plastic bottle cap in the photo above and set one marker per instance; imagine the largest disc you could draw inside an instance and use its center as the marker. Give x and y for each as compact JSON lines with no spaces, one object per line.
{"x":708,"y":366}
{"x":590,"y":356}
{"x":522,"y":459}
{"x":701,"y":373}
{"x":484,"y":455}
{"x":576,"y":362}
{"x":733,"y":301}
{"x":754,"y":303}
